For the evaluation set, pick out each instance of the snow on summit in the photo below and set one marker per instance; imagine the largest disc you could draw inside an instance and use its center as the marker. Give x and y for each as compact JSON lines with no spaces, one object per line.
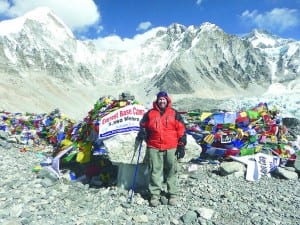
{"x":262,"y":38}
{"x":42,"y":15}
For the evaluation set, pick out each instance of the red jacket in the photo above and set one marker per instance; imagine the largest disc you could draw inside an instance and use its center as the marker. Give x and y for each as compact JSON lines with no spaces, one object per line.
{"x":163,"y":130}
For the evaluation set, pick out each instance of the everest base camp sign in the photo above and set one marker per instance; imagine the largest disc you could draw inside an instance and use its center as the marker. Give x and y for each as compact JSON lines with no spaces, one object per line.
{"x":123,"y":120}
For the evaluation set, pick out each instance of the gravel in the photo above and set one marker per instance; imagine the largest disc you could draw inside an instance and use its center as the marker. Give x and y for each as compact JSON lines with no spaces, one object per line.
{"x":206,"y":198}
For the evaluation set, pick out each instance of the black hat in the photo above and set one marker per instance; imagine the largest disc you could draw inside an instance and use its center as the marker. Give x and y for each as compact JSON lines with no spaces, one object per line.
{"x":162,"y":94}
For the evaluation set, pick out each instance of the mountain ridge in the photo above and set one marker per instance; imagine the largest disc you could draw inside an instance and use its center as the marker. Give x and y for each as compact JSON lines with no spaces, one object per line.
{"x":198,"y":62}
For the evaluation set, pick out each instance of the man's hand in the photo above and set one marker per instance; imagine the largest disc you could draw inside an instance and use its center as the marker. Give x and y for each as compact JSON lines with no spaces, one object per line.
{"x":180,"y":151}
{"x":141,"y":135}
{"x":137,"y":143}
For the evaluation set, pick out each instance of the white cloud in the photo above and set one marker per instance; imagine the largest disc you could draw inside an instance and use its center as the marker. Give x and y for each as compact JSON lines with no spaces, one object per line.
{"x":112,"y":42}
{"x":99,"y":29}
{"x":144,"y":26}
{"x":76,"y":14}
{"x":4,"y":5}
{"x":279,"y":19}
{"x":198,"y":2}
{"x":117,"y":43}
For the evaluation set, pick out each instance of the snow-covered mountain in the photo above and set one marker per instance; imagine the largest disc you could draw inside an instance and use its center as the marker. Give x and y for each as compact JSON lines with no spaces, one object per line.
{"x":283,"y":57}
{"x":43,"y":66}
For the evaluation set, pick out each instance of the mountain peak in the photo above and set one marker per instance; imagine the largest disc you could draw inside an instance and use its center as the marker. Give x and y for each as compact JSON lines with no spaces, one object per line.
{"x":45,"y":15}
{"x":38,"y":13}
{"x":176,"y":28}
{"x":41,"y":15}
{"x":264,"y":39}
{"x":208,"y":26}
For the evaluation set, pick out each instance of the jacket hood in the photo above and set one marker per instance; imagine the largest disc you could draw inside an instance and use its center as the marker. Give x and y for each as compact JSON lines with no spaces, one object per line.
{"x":169,"y":105}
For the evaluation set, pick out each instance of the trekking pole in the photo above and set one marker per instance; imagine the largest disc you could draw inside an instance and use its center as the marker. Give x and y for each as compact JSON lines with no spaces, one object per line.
{"x":134,"y":152}
{"x":132,"y":189}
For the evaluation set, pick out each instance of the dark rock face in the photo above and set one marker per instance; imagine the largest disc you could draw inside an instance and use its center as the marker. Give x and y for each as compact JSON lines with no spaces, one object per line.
{"x":291,"y":122}
{"x":293,"y":125}
{"x":175,"y":81}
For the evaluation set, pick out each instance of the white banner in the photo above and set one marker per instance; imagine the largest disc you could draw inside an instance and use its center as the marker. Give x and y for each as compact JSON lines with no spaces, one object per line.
{"x":266,"y":163}
{"x":261,"y":165}
{"x":258,"y":165}
{"x":252,"y":173}
{"x":56,"y":161}
{"x":123,"y":120}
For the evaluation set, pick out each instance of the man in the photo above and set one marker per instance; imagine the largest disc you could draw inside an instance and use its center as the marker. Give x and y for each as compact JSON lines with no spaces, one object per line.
{"x":163,"y":129}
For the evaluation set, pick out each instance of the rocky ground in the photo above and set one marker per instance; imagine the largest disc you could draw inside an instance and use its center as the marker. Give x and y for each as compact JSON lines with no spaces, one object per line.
{"x":206,"y":197}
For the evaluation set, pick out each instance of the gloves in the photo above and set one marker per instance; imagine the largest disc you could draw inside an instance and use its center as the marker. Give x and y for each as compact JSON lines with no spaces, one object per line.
{"x":180,"y":151}
{"x":137,"y":143}
{"x":141,"y":135}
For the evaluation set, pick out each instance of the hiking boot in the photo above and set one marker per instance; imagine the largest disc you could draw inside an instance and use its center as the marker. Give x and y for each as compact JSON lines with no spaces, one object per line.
{"x":154,"y":201}
{"x":173,"y":201}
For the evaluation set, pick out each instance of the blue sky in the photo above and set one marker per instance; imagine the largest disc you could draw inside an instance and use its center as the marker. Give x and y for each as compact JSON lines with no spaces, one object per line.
{"x":90,"y":19}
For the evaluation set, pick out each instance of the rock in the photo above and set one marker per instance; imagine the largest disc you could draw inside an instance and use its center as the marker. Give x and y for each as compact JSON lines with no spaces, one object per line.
{"x":205,"y":213}
{"x":46,"y":173}
{"x":121,"y":149}
{"x":286,"y":174}
{"x":12,"y":139}
{"x":192,"y":149}
{"x":140,"y":219}
{"x":3,"y":143}
{"x":227,"y":168}
{"x":12,"y":222}
{"x":189,"y":217}
{"x":16,"y":210}
{"x":297,"y":162}
{"x":4,"y":135}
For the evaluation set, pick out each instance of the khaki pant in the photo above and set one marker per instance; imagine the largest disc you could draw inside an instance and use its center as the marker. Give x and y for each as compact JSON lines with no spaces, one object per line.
{"x":162,"y":164}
